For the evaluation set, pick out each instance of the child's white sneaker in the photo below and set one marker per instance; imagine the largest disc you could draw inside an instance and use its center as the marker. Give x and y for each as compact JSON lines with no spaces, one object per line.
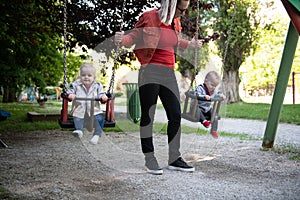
{"x":94,"y":139}
{"x":77,"y":133}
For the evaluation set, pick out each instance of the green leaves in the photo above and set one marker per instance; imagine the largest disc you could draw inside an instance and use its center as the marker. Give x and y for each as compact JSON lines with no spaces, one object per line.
{"x":28,"y":48}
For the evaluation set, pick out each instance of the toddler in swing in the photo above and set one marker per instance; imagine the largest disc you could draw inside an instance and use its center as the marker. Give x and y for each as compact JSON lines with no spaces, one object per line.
{"x":207,"y":90}
{"x":87,"y":87}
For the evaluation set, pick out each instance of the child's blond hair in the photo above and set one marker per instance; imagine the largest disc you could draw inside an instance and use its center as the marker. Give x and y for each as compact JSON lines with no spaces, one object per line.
{"x":89,"y":66}
{"x":212,"y":76}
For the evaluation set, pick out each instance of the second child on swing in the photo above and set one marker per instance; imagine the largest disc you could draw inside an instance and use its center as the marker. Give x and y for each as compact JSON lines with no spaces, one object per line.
{"x":208,"y":91}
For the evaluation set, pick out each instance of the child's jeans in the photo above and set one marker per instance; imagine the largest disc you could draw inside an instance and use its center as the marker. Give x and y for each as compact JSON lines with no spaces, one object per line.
{"x":98,"y":124}
{"x":204,"y":116}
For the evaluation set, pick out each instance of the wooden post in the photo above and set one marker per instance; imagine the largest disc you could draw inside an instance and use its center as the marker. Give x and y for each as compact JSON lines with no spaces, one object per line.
{"x":294,"y":86}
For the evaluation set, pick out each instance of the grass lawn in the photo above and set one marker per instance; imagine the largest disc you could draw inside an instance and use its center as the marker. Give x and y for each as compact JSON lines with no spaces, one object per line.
{"x":259,"y":111}
{"x":19,"y":122}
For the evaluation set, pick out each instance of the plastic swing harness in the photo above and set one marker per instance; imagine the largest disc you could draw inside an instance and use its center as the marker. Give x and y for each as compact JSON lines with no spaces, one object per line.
{"x":191,"y":109}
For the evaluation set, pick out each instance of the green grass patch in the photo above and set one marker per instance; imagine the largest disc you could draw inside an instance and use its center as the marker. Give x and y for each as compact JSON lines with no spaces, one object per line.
{"x":8,"y":125}
{"x":7,"y":195}
{"x":258,"y":111}
{"x":290,"y":113}
{"x":247,"y":111}
{"x":161,"y":128}
{"x":19,"y":122}
{"x":292,"y":151}
{"x":4,"y":194}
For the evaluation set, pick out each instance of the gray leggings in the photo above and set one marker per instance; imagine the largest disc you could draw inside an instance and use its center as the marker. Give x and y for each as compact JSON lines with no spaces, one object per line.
{"x":158,"y":81}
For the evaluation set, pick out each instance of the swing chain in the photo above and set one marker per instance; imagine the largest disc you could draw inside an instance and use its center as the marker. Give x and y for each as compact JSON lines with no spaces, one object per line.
{"x":111,"y":85}
{"x":65,"y":46}
{"x":112,"y":80}
{"x":122,"y":15}
{"x":229,"y":33}
{"x":196,"y":38}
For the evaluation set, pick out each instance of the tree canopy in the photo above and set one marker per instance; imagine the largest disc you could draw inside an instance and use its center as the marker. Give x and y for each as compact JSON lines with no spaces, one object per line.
{"x":238,"y":23}
{"x":31,"y":37}
{"x":190,"y":64}
{"x":32,"y":30}
{"x":259,"y":71}
{"x":93,"y":22}
{"x":28,"y":46}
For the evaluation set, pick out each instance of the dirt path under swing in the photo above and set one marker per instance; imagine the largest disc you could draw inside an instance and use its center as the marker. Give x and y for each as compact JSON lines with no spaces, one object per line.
{"x":55,"y":165}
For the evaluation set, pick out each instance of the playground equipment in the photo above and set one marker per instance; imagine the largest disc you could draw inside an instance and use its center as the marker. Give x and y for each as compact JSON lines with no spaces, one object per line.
{"x":191,"y":109}
{"x":293,"y":85}
{"x":293,"y":9}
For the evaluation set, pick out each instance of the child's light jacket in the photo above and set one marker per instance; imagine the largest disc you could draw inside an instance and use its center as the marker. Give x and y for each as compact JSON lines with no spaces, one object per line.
{"x":79,"y":107}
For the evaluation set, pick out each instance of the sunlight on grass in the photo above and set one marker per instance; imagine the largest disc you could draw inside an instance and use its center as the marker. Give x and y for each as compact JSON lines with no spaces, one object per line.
{"x":258,"y":111}
{"x":18,"y":111}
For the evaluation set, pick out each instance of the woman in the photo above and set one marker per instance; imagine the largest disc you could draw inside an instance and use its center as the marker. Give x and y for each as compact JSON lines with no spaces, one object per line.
{"x":156,"y":37}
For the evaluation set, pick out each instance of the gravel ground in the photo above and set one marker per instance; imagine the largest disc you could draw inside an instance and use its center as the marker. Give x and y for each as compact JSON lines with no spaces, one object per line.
{"x":55,"y":165}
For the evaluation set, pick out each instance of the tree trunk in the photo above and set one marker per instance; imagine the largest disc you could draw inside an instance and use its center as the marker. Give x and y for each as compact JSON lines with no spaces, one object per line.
{"x":230,"y":86}
{"x":9,"y":95}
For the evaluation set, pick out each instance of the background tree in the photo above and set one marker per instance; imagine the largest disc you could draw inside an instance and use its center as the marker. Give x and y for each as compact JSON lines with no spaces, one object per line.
{"x":189,"y":66}
{"x":30,"y":45}
{"x":95,"y":22}
{"x":240,"y":34}
{"x":31,"y":51}
{"x":259,"y":71}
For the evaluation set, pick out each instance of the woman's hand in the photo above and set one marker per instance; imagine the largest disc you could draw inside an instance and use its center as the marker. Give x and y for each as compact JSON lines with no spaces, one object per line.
{"x":103,"y":98}
{"x":71,"y":97}
{"x":222,"y":96}
{"x":196,"y":43}
{"x":118,"y":37}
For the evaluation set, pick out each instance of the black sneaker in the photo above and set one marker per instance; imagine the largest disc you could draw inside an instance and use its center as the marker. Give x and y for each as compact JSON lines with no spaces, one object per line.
{"x":152,"y":166}
{"x":180,"y":165}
